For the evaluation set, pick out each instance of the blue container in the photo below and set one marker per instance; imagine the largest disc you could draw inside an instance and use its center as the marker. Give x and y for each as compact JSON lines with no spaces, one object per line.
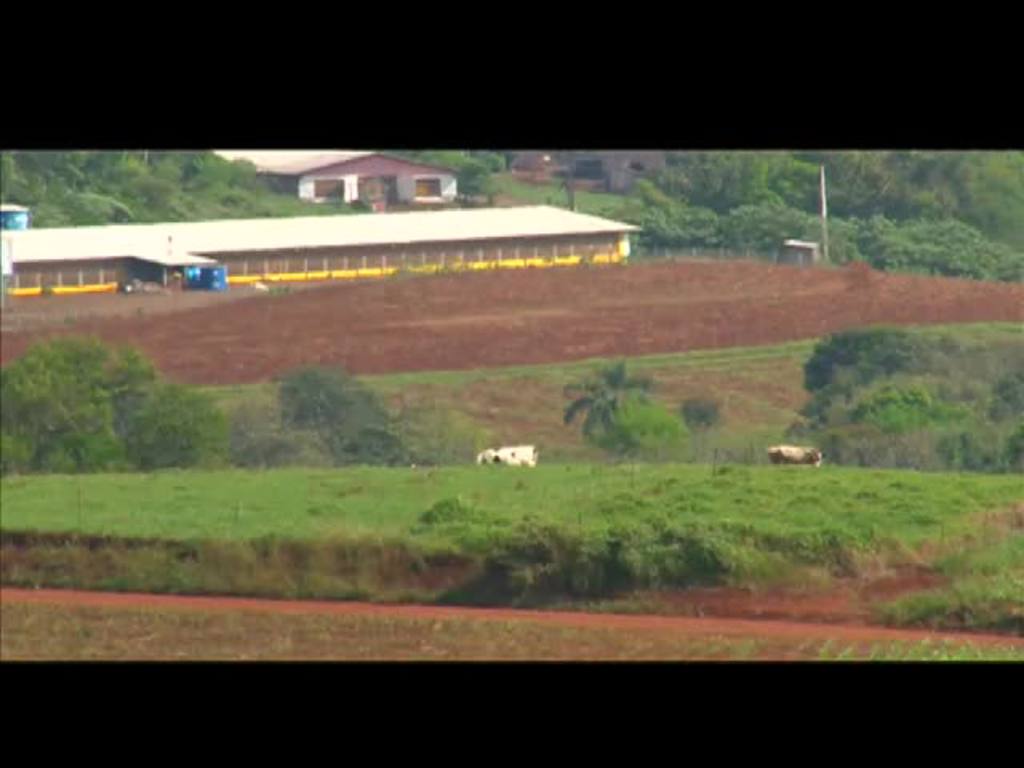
{"x":218,"y":278}
{"x":206,"y":278}
{"x":15,"y":217}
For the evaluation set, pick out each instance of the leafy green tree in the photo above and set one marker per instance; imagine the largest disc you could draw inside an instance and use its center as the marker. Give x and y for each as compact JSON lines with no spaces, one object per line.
{"x":700,"y":413}
{"x":258,"y":438}
{"x":15,"y":454}
{"x":1008,"y":396}
{"x":598,"y":397}
{"x":57,"y":399}
{"x":948,"y":247}
{"x":868,"y":353}
{"x":353,"y":426}
{"x":177,"y":427}
{"x":901,"y":409}
{"x":640,"y":429}
{"x":1015,"y":449}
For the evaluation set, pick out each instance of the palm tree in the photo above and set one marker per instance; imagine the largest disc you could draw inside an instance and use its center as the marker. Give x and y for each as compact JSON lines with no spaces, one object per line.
{"x":600,"y":396}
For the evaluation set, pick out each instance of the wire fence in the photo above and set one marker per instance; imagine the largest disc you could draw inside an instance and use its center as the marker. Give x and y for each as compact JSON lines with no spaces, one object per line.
{"x":646,"y":254}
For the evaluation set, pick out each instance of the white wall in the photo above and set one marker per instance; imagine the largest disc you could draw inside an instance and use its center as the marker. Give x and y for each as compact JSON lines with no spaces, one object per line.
{"x":406,"y":186}
{"x":307,"y":188}
{"x":448,"y":188}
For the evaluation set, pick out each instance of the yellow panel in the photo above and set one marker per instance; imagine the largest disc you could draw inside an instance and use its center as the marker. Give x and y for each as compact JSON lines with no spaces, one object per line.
{"x":90,"y":288}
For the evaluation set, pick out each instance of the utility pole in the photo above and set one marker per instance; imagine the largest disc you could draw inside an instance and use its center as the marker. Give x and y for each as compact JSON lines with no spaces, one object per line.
{"x":824,"y":216}
{"x":570,"y":178}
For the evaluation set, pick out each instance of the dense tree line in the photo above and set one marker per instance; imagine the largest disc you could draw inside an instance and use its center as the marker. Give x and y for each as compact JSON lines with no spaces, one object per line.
{"x":885,"y":397}
{"x":79,"y":405}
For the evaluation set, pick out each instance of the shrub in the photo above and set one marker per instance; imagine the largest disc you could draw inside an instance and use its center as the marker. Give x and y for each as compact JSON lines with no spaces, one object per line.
{"x":1008,"y":396}
{"x":15,"y":454}
{"x":868,"y":353}
{"x":642,"y":430}
{"x":1015,"y":448}
{"x":700,"y":413}
{"x":176,"y":427}
{"x":62,"y":400}
{"x":901,"y":409}
{"x":352,"y":425}
{"x":257,"y":438}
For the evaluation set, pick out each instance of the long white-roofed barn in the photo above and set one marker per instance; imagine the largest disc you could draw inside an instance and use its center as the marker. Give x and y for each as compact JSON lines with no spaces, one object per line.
{"x":79,"y":259}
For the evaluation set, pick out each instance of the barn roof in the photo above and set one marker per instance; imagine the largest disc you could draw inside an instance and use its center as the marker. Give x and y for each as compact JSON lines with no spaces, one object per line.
{"x":301,"y":162}
{"x":196,"y":239}
{"x":291,"y":162}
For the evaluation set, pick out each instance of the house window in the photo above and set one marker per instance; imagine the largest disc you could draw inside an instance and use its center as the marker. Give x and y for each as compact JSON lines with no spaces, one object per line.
{"x":428,"y":187}
{"x":328,"y":188}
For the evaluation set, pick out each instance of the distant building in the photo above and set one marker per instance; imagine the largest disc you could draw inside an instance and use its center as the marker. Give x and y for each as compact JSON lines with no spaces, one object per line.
{"x":800,"y":252}
{"x":612,"y":170}
{"x":371,"y":177}
{"x":69,"y":260}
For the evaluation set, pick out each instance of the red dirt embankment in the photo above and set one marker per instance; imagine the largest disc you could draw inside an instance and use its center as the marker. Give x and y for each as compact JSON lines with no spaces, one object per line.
{"x":685,"y":626}
{"x":458,"y":322}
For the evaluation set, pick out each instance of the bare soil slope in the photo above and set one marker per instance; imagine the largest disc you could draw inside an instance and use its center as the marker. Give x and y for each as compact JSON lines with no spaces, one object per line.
{"x":466,"y":321}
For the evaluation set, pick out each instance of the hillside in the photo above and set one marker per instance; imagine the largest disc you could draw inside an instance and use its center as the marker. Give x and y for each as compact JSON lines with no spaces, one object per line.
{"x":959,"y":214}
{"x":746,"y":202}
{"x":82,"y":188}
{"x":467,"y":321}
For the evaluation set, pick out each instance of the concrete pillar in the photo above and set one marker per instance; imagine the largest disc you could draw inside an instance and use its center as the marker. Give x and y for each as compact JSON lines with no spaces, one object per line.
{"x":81,"y":280}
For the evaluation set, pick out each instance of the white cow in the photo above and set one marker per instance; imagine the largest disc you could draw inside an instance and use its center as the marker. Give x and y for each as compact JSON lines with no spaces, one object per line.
{"x":513,"y":456}
{"x":794,"y":454}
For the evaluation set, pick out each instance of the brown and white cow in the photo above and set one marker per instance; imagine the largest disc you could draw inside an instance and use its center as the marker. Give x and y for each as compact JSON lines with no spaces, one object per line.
{"x":794,"y":454}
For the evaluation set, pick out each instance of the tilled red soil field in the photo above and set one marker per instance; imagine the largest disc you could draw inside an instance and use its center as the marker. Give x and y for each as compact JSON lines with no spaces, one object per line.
{"x":682,"y":625}
{"x":457,"y":322}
